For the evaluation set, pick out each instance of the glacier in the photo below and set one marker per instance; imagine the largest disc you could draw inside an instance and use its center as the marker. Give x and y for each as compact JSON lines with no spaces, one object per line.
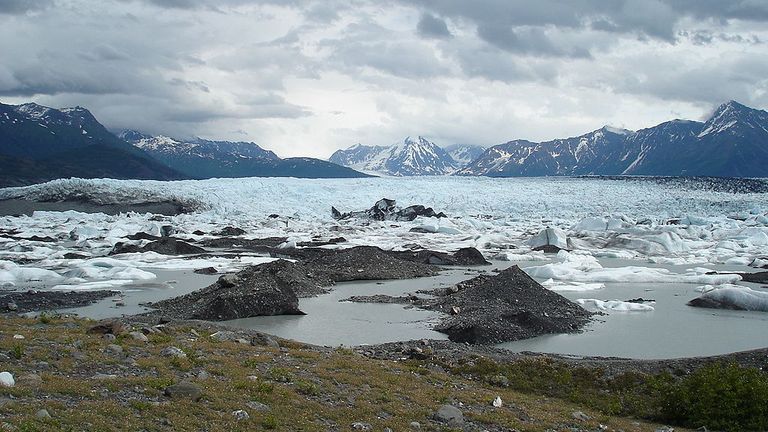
{"x":646,"y":222}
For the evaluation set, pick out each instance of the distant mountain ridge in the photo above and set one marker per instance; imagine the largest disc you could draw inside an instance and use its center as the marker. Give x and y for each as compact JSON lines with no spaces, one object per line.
{"x":39,"y":143}
{"x":733,"y":142}
{"x":201,"y":158}
{"x":412,"y":157}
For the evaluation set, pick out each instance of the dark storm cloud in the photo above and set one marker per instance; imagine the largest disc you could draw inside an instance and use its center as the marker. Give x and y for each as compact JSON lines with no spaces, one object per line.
{"x":430,"y":26}
{"x":507,"y":23}
{"x":14,"y":7}
{"x":527,"y":40}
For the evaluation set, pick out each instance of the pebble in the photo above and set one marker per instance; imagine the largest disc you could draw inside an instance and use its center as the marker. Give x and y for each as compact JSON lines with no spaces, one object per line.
{"x":6,"y":379}
{"x":203,"y":375}
{"x":361,"y":426}
{"x":173,"y":351}
{"x":415,"y":425}
{"x":109,"y":337}
{"x":42,"y":414}
{"x":497,"y":403}
{"x":18,"y":336}
{"x":11,"y":306}
{"x":240,"y":415}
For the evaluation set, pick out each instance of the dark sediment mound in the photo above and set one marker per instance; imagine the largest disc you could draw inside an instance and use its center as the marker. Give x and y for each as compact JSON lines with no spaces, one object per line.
{"x":387,"y":209}
{"x":33,"y":301}
{"x":367,"y":263}
{"x":20,"y":206}
{"x":464,"y":256}
{"x":508,"y":306}
{"x":164,"y":246}
{"x":142,"y":236}
{"x":274,"y":288}
{"x":755,"y":277}
{"x":494,"y":309}
{"x":229,"y":232}
{"x":264,"y":245}
{"x":256,"y":291}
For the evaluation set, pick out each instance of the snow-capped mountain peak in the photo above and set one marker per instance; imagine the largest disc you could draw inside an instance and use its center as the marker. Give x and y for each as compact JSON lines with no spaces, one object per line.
{"x":735,"y":118}
{"x":412,"y":156}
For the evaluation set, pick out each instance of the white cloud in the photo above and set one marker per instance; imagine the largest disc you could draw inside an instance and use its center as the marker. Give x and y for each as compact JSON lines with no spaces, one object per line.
{"x":305,"y":77}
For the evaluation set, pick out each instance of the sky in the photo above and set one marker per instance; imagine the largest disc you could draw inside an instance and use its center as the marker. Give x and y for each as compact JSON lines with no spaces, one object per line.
{"x":307,"y":77}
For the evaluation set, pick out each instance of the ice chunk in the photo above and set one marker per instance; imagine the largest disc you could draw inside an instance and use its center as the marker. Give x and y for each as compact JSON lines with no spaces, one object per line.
{"x":584,"y":268}
{"x":614,"y":305}
{"x":732,"y":297}
{"x":515,"y":257}
{"x":549,"y":236}
{"x":554,"y":285}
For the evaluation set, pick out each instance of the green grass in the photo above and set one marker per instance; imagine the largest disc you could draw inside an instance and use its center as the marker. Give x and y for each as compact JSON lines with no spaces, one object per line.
{"x":309,"y":389}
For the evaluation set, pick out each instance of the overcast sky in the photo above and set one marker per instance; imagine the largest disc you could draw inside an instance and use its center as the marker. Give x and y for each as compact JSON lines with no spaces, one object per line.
{"x":305,"y":77}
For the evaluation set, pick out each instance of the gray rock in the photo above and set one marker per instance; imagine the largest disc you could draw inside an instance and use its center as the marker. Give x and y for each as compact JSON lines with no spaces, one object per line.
{"x":107,"y":327}
{"x":11,"y":306}
{"x":109,"y":337}
{"x":30,"y":381}
{"x":258,"y":406}
{"x":449,"y":414}
{"x":224,"y":335}
{"x":264,"y":340}
{"x":139,"y":336}
{"x":184,"y":390}
{"x":240,"y":415}
{"x":42,"y":414}
{"x":114,"y":349}
{"x":361,"y":426}
{"x":578,"y":415}
{"x":103,"y":376}
{"x":203,"y":375}
{"x":172,"y":351}
{"x":414,"y":425}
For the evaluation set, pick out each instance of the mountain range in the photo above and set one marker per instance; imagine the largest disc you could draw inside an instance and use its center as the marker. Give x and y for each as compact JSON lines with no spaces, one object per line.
{"x":200,"y":158}
{"x":38,"y":144}
{"x":412,"y":157}
{"x":733,"y":142}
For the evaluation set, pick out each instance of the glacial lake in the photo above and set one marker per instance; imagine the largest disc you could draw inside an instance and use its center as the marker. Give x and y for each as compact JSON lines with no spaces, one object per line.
{"x":672,"y":330}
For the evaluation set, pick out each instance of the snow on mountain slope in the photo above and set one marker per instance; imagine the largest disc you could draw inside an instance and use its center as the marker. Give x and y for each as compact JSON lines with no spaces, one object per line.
{"x":464,"y":154}
{"x":412,"y":157}
{"x":201,"y":158}
{"x":732,"y":143}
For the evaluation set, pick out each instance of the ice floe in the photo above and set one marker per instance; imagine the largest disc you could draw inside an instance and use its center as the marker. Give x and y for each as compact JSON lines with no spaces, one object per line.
{"x":586,"y":268}
{"x":732,"y":297}
{"x":614,"y":305}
